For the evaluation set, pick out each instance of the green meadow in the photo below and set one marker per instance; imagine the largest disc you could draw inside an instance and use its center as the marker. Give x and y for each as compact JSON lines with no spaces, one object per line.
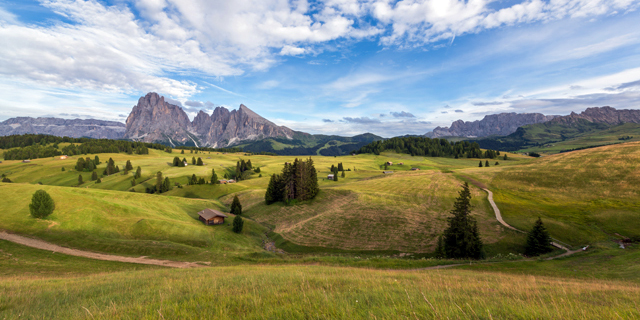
{"x":357,"y":250}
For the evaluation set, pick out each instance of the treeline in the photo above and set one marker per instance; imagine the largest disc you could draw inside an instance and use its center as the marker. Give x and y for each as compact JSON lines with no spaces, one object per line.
{"x":34,"y":146}
{"x":298,"y":181}
{"x":419,"y":146}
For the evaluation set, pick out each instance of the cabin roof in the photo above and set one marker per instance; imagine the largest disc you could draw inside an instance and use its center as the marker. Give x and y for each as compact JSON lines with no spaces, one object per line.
{"x":210,"y":213}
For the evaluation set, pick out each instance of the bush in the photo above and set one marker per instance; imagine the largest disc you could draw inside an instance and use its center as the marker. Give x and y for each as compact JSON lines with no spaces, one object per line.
{"x":238,"y":223}
{"x":41,"y":205}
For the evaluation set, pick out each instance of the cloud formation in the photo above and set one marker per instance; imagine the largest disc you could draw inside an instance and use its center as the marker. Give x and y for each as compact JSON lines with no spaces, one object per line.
{"x":361,"y":120}
{"x":402,"y":114}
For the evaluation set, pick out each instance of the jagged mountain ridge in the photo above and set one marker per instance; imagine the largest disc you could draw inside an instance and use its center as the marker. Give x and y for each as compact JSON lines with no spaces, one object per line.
{"x":74,"y":128}
{"x":501,"y":124}
{"x":155,"y":120}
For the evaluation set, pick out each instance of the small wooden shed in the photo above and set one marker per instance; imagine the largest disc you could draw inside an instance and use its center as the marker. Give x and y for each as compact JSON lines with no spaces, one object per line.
{"x":26,"y":161}
{"x":330,"y":177}
{"x":211,"y":217}
{"x":387,"y":172}
{"x":415,"y":169}
{"x":63,"y":157}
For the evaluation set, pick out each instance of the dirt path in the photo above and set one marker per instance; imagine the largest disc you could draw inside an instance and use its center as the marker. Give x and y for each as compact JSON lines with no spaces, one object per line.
{"x":39,"y":244}
{"x":499,"y":218}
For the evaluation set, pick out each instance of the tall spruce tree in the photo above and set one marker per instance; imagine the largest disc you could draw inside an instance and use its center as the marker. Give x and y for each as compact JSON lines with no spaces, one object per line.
{"x":461,"y":238}
{"x":193,"y":160}
{"x":159,"y":182}
{"x":80,"y":179}
{"x":176,"y":162}
{"x":41,"y":204}
{"x":199,"y":162}
{"x":128,"y":166}
{"x":214,"y":177}
{"x":340,"y":168}
{"x":94,"y":176}
{"x":480,"y":164}
{"x":538,"y":240}
{"x":486,"y":164}
{"x":96,"y":160}
{"x":138,"y":173}
{"x":236,"y":207}
{"x":166,"y":184}
{"x":238,"y":223}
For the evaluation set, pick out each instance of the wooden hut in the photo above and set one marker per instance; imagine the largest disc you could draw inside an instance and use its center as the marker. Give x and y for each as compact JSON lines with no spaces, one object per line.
{"x":63,"y":157}
{"x":330,"y":176}
{"x":211,"y":217}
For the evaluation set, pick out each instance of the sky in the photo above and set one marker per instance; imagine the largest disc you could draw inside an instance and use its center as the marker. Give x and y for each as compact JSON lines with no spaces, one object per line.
{"x":341,"y":67}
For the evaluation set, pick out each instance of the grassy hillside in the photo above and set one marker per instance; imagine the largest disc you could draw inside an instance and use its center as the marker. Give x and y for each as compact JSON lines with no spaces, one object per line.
{"x":584,"y":196}
{"x":127,"y":223}
{"x":294,"y":292}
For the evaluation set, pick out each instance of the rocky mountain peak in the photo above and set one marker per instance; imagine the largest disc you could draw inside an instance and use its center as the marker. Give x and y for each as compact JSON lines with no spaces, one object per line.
{"x":494,"y":124}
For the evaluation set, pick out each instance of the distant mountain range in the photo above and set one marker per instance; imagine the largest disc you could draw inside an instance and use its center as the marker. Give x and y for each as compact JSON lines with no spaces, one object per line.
{"x":153,"y":119}
{"x":500,"y":124}
{"x":76,"y":128}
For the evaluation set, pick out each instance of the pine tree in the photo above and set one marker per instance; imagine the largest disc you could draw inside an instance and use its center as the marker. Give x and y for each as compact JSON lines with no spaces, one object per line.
{"x":117,"y":169}
{"x":193,"y":160}
{"x":538,"y":240}
{"x":182,"y":152}
{"x":440,"y":253}
{"x":80,"y":179}
{"x":497,"y":163}
{"x":128,"y":166}
{"x":214,"y":177}
{"x":505,"y":157}
{"x":166,"y":185}
{"x":486,"y":164}
{"x":159,"y":182}
{"x":96,"y":160}
{"x":272,"y":195}
{"x":461,"y":238}
{"x":41,"y":204}
{"x":480,"y":164}
{"x":249,"y":165}
{"x":94,"y":176}
{"x":63,"y":169}
{"x":80,"y":164}
{"x":193,"y":180}
{"x":340,"y":168}
{"x":138,"y":173}
{"x":236,"y":207}
{"x":342,"y":174}
{"x":176,"y":161}
{"x":335,"y":177}
{"x":238,"y":223}
{"x":133,"y":182}
{"x":201,"y":181}
{"x":99,"y":180}
{"x":199,"y":162}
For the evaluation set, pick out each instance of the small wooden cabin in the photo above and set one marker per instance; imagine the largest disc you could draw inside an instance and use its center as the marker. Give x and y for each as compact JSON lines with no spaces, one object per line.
{"x":222,"y":181}
{"x":26,"y":161}
{"x":330,"y":177}
{"x":211,"y":217}
{"x":415,"y":169}
{"x":387,"y":172}
{"x":63,"y":157}
{"x":389,"y":163}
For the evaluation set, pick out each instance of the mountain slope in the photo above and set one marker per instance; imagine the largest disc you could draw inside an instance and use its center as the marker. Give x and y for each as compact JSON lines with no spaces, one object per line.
{"x":76,"y":128}
{"x":587,"y":126}
{"x":155,"y":120}
{"x":495,"y":124}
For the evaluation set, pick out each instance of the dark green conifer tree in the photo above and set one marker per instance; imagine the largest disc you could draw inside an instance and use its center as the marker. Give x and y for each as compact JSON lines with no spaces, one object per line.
{"x":480,"y":164}
{"x":128,"y":166}
{"x":340,"y":168}
{"x":63,"y":169}
{"x":41,"y":204}
{"x":138,"y":173}
{"x":176,"y":161}
{"x":440,"y":253}
{"x":238,"y":223}
{"x":214,"y":177}
{"x":159,"y":182}
{"x":486,"y":164}
{"x":193,"y":161}
{"x":96,"y":160}
{"x":166,"y":184}
{"x":199,"y":162}
{"x":538,"y":240}
{"x":461,"y":238}
{"x":80,"y":179}
{"x":94,"y":176}
{"x":342,"y":175}
{"x":236,"y":207}
{"x":80,"y":164}
{"x":182,"y":152}
{"x":505,"y":157}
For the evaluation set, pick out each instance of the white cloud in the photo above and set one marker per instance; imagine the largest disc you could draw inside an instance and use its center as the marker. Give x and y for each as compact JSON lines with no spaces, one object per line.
{"x":291,"y":51}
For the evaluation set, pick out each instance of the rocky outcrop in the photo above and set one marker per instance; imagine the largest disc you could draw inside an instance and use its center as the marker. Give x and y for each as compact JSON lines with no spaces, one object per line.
{"x":75,"y":128}
{"x":155,"y":120}
{"x":496,"y":124}
{"x":605,"y":114}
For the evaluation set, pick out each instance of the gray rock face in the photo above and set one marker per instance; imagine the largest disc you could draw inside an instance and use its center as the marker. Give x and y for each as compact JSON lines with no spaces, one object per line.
{"x":76,"y":128}
{"x":496,"y":124}
{"x":605,"y":114}
{"x":154,"y":120}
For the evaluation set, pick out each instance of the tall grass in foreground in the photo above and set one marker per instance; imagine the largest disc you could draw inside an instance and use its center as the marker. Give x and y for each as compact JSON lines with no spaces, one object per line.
{"x":305,"y":292}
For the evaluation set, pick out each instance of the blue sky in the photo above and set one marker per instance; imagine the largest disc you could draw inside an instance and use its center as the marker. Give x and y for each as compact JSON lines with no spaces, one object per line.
{"x":335,"y":67}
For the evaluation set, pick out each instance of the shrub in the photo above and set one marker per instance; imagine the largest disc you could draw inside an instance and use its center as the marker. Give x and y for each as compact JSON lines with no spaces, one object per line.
{"x":41,"y":205}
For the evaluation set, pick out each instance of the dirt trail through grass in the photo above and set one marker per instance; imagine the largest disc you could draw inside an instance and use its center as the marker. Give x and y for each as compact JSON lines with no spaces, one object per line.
{"x":39,"y":244}
{"x":499,"y":218}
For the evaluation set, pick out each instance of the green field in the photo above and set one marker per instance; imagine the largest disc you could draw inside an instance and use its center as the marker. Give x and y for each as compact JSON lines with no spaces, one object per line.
{"x":337,"y":248}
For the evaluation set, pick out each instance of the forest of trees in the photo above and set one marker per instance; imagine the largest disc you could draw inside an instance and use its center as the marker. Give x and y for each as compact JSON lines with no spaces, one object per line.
{"x":34,"y":146}
{"x":417,"y":146}
{"x":298,"y":181}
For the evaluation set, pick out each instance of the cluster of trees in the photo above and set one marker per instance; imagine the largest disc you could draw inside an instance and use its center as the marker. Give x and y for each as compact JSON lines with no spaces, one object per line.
{"x":34,"y":146}
{"x":417,"y":146}
{"x":179,"y":163}
{"x":298,"y":181}
{"x":486,"y":163}
{"x":243,"y":170}
{"x":461,"y":239}
{"x":194,"y":180}
{"x":87,"y":164}
{"x":163,"y":184}
{"x":336,"y":169}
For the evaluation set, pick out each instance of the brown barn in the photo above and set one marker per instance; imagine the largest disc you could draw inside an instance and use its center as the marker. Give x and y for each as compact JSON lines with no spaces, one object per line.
{"x":210,"y":216}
